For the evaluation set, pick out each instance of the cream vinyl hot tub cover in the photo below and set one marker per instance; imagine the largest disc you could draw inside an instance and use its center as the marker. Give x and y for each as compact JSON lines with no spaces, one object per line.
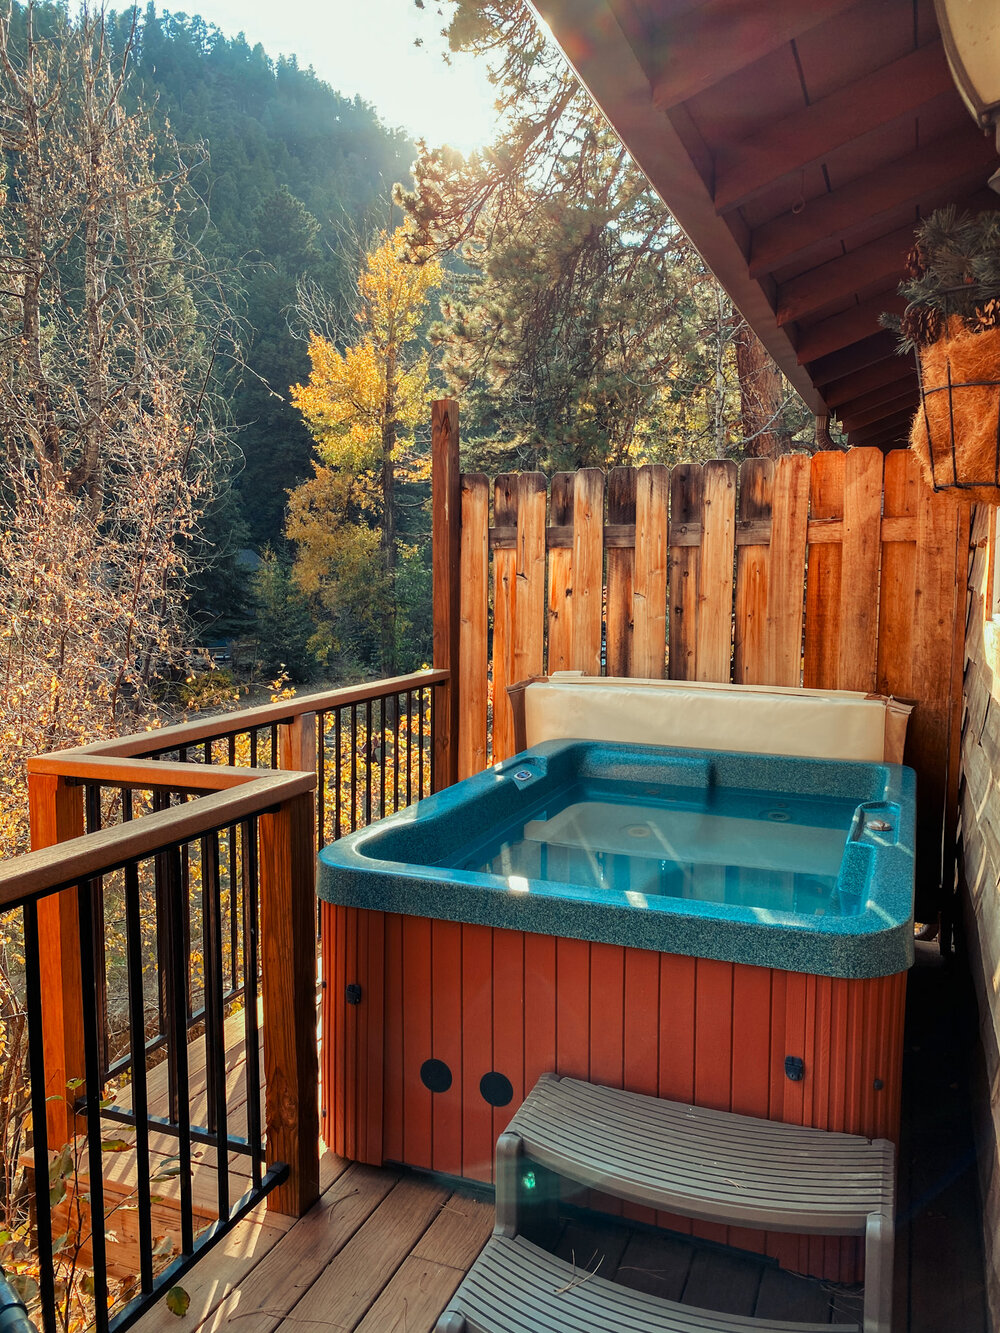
{"x":747,"y":719}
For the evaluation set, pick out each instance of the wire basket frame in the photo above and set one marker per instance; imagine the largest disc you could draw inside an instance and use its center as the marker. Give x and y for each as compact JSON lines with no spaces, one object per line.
{"x":951,"y":387}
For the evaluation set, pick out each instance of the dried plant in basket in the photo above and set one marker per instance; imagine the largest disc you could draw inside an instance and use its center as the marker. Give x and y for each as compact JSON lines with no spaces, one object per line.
{"x":952,"y":324}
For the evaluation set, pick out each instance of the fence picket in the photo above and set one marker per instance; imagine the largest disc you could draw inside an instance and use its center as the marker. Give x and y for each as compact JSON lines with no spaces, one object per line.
{"x":752,"y":565}
{"x":588,"y":570}
{"x":897,"y":584}
{"x":686,"y":484}
{"x":822,"y":646}
{"x":505,"y":497}
{"x":714,"y":640}
{"x":473,"y":634}
{"x":789,"y":522}
{"x":621,"y":573}
{"x":860,"y":551}
{"x":649,"y":585}
{"x":561,"y":575}
{"x":529,"y":572}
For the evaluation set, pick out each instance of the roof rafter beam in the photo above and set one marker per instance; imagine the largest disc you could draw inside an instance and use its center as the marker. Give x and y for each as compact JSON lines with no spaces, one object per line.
{"x":895,"y":425}
{"x":702,"y":47}
{"x":804,"y":138}
{"x":860,"y":268}
{"x":889,"y":370}
{"x":878,"y":195}
{"x":858,"y":321}
{"x":903,"y":402}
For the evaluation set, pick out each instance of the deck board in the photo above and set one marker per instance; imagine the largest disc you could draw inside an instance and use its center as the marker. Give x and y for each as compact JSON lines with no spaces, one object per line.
{"x":382,"y":1252}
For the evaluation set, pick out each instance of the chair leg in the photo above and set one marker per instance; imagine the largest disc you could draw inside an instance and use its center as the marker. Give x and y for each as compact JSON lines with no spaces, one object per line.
{"x":878,"y":1273}
{"x":508,"y":1163}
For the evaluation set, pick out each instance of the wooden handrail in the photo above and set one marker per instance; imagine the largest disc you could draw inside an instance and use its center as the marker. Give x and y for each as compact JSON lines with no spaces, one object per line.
{"x":224,"y":724}
{"x":65,"y":863}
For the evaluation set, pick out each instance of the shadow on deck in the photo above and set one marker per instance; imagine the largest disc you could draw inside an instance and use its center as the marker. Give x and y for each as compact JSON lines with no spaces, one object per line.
{"x":384,"y":1251}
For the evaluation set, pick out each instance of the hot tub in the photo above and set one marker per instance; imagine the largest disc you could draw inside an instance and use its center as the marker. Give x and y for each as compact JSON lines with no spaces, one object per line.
{"x":728,"y":929}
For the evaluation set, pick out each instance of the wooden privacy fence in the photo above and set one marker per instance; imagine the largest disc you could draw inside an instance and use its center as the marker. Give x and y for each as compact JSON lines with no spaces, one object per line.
{"x":840,"y":571}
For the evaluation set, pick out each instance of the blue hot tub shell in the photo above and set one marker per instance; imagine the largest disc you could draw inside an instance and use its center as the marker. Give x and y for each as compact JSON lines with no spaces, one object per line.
{"x":401,"y":864}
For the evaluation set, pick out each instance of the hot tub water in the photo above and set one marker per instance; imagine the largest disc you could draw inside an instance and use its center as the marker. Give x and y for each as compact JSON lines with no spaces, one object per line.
{"x":768,"y":850}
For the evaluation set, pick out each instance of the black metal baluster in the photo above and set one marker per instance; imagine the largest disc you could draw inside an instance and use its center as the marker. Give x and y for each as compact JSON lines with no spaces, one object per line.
{"x":320,"y":779}
{"x":409,"y":747}
{"x":234,"y":912}
{"x":274,"y":745}
{"x":177,"y":1053}
{"x":420,"y":741}
{"x":92,"y":808}
{"x":354,"y":767}
{"x":381,"y":757}
{"x":215,"y":1042}
{"x":39,"y":1129}
{"x":433,"y":738}
{"x":368,"y":761}
{"x":91,"y":1062}
{"x":395,"y":753}
{"x":207,"y":753}
{"x":337,"y":742}
{"x":137,"y":1047}
{"x":231,"y":749}
{"x":250,"y":984}
{"x":253,"y":734}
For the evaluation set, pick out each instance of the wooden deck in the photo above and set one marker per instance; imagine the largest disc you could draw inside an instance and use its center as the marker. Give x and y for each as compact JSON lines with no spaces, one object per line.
{"x":384,"y":1251}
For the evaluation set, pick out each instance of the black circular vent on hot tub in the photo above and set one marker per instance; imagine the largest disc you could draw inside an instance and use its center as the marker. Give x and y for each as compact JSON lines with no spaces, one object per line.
{"x":496,"y":1088}
{"x":435,"y":1075}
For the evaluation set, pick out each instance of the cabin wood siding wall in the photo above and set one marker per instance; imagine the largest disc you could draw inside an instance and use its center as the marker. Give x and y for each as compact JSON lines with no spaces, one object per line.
{"x":980,"y":866}
{"x":841,"y":571}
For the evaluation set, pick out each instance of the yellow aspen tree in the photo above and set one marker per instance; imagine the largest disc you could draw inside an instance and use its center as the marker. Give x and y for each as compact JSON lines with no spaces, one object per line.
{"x":363,"y":407}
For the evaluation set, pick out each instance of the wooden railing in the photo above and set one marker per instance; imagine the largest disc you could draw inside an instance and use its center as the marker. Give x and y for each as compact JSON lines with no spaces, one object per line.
{"x":224,"y":813}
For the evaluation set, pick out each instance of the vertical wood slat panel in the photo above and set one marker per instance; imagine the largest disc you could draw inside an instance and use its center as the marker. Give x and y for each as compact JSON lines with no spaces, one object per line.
{"x":392,"y":1083}
{"x":822,"y":642}
{"x":529,"y":579}
{"x":508,"y":1021}
{"x":417,"y":1105}
{"x":649,"y":584}
{"x":752,"y":566}
{"x":686,"y":483}
{"x":860,"y":551}
{"x":473,"y":636}
{"x":897,"y":588}
{"x":446,"y":1042}
{"x":505,"y":497}
{"x":588,"y":570}
{"x":477,"y":1051}
{"x":621,"y":573}
{"x":714,"y":638}
{"x":789,"y":522}
{"x":560,"y":626}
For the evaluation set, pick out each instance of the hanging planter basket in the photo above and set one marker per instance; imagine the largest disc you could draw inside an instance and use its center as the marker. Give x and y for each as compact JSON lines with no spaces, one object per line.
{"x":956,"y":431}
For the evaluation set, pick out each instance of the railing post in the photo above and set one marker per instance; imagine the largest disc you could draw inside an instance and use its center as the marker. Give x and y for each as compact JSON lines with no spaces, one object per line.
{"x":297,"y":744}
{"x":288,"y":952}
{"x":56,"y":812}
{"x":446,"y":541}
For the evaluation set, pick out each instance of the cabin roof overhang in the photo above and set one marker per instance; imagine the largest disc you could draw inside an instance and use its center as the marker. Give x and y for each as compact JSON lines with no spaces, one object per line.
{"x":797,"y":144}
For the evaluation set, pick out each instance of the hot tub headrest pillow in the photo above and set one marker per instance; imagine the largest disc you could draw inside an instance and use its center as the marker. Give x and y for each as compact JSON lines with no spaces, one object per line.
{"x":762,"y":719}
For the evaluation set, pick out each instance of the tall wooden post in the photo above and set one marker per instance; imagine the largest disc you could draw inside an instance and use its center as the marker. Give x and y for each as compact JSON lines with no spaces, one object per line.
{"x":56,"y":811}
{"x":288,"y":953}
{"x":446,"y":539}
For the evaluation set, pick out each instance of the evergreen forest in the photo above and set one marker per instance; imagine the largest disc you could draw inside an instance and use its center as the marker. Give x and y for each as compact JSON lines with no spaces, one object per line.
{"x":244,"y":291}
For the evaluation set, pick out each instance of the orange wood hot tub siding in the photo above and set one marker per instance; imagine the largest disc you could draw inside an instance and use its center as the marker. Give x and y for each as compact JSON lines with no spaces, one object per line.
{"x":689,"y":1029}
